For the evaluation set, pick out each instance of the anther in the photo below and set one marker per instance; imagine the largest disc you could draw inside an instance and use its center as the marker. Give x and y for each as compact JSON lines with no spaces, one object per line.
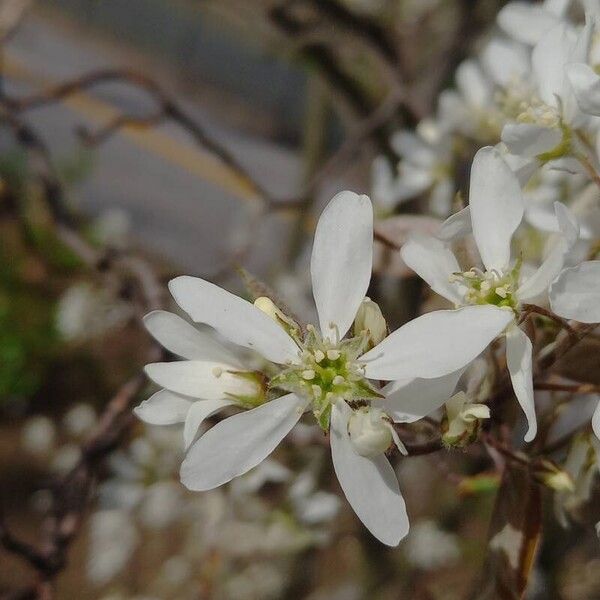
{"x":308,"y":374}
{"x":217,"y":371}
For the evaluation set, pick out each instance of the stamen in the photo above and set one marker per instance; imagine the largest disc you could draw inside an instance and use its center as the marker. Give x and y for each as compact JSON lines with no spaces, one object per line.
{"x":333,"y":354}
{"x":217,"y":372}
{"x":309,"y":374}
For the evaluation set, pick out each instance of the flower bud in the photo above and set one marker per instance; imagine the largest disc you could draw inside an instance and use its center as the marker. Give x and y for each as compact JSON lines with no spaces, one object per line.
{"x":369,"y":318}
{"x":370,"y":433}
{"x":462,"y":421}
{"x":551,"y":475}
{"x":269,"y":307}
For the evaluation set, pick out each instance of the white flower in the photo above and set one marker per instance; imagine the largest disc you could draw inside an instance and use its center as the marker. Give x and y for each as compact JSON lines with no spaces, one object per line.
{"x":425,"y":166}
{"x":563,"y":94}
{"x":496,"y":210}
{"x":323,"y":371}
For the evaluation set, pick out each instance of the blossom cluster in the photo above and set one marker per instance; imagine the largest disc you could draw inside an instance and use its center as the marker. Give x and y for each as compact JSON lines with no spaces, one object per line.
{"x":532,"y":99}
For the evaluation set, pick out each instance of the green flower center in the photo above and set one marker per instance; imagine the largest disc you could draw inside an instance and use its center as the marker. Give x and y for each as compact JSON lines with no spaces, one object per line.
{"x":328,"y":371}
{"x":490,"y":287}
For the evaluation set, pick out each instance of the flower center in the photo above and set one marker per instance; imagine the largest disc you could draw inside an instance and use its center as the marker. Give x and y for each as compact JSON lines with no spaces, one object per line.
{"x":489,"y":287}
{"x":328,"y":371}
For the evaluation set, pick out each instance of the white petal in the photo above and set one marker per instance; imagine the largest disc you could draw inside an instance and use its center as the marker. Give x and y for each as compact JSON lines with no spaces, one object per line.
{"x":456,"y":226}
{"x":548,"y":271}
{"x":195,"y":378}
{"x":239,"y":443}
{"x":496,"y":207}
{"x":530,"y":140}
{"x":539,"y":282}
{"x":163,"y":408}
{"x":183,"y":339}
{"x":437,"y":343}
{"x":557,"y":7}
{"x":234,"y":318}
{"x":586,"y":86}
{"x":548,"y":60}
{"x":198,"y":412}
{"x":473,"y":84}
{"x":409,"y":401}
{"x":505,"y":61}
{"x":526,"y":23}
{"x":413,"y":148}
{"x":596,"y":421}
{"x":342,"y":260}
{"x":576,"y":293}
{"x":518,"y":360}
{"x":434,"y":262}
{"x":370,"y":484}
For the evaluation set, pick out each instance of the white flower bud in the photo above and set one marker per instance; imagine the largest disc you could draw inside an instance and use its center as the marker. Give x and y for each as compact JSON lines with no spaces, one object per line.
{"x":369,"y":318}
{"x":463,"y":419}
{"x":370,"y":433}
{"x":269,"y":307}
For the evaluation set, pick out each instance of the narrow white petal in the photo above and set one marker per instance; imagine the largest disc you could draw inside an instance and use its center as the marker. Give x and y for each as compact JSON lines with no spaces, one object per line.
{"x":556,"y":7}
{"x":183,"y":339}
{"x":496,"y":207}
{"x":473,"y":84}
{"x":198,"y":412}
{"x":239,"y":443}
{"x":530,"y":140}
{"x":370,"y":484}
{"x":518,"y":360}
{"x":163,"y":408}
{"x":433,"y":261}
{"x":342,"y":260}
{"x":456,"y":226}
{"x":548,"y":60}
{"x":586,"y":86}
{"x":234,"y":318}
{"x":195,"y":378}
{"x":576,"y":293}
{"x":540,"y":281}
{"x":596,"y":421}
{"x":437,"y":343}
{"x":526,"y":23}
{"x":505,"y":61}
{"x":409,"y":401}
{"x":413,"y":148}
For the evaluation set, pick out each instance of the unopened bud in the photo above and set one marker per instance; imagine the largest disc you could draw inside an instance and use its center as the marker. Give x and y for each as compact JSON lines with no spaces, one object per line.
{"x":463,"y":420}
{"x":551,"y":475}
{"x":370,"y":434}
{"x":269,"y":307}
{"x":369,"y":318}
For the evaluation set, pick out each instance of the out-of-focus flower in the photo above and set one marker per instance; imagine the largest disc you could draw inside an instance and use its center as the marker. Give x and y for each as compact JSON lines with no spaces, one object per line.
{"x":113,"y":539}
{"x":113,"y":228}
{"x":259,"y":580}
{"x":428,"y":547}
{"x":84,"y":312}
{"x":79,"y":420}
{"x":38,"y":435}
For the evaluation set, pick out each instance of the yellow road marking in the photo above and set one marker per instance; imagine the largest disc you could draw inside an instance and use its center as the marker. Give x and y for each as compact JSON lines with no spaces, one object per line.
{"x":195,"y":161}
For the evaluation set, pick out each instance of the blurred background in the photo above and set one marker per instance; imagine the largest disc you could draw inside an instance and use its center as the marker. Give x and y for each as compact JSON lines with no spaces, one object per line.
{"x":140,"y":139}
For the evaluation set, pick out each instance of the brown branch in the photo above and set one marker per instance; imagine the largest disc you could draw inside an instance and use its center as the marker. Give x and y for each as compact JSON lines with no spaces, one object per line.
{"x":167,"y":109}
